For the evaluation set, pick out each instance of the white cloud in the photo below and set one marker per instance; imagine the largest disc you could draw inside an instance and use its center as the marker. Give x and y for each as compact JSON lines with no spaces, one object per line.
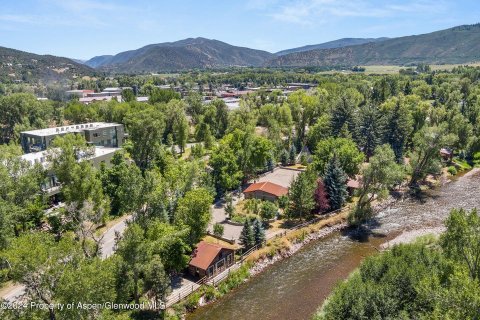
{"x":79,"y":6}
{"x":310,"y":12}
{"x":20,"y":19}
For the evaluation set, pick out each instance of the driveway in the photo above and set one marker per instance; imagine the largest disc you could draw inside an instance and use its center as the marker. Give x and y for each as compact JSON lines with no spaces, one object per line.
{"x":219,"y":216}
{"x":280,"y":176}
{"x":108,"y":242}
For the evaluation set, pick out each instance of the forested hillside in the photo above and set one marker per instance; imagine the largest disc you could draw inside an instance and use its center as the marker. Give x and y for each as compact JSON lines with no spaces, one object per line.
{"x":456,"y":45}
{"x":29,"y":67}
{"x":345,"y":42}
{"x":198,"y":53}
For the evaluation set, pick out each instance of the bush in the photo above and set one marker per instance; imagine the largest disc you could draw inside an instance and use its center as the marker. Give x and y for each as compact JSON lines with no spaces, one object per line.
{"x":283,"y":202}
{"x":252,"y":206}
{"x":211,"y":293}
{"x":198,"y":151}
{"x":452,"y":170}
{"x":268,"y":210}
{"x":235,"y":279}
{"x":476,"y":158}
{"x":218,"y":229}
{"x":192,"y":301}
{"x":238,"y":218}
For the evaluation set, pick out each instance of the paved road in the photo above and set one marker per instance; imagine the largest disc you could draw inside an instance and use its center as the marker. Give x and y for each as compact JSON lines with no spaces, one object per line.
{"x":108,"y":242}
{"x":108,"y":248}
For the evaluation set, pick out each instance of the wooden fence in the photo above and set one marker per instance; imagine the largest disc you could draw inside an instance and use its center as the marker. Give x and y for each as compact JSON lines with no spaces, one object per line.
{"x":184,"y":292}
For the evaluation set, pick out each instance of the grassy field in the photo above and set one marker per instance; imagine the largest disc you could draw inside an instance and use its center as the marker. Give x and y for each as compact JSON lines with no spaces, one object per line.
{"x":389,"y":69}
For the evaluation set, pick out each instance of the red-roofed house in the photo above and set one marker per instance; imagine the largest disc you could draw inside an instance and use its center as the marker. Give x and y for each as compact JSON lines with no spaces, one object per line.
{"x":265,"y":191}
{"x":353,"y":184}
{"x":210,"y":259}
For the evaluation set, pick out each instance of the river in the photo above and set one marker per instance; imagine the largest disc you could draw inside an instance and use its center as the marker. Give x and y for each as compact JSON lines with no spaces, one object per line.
{"x":295,"y":287}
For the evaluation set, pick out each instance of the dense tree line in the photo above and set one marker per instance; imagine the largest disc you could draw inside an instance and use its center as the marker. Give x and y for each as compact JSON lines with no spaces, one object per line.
{"x":425,"y":280}
{"x":383,"y":131}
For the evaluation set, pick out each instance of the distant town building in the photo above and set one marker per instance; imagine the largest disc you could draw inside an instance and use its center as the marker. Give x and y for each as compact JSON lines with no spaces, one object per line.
{"x":88,"y":100}
{"x":102,"y":134}
{"x":142,"y":99}
{"x":78,"y":93}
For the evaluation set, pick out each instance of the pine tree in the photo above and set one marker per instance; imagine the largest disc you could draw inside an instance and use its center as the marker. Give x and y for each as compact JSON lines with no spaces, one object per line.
{"x":408,"y":88}
{"x":258,"y":232}
{"x":398,"y":128}
{"x":247,"y":239}
{"x":321,"y":197}
{"x":229,"y":207}
{"x":369,"y":130}
{"x":270,"y":165}
{"x":293,"y":155}
{"x":301,"y":195}
{"x":208,"y":139}
{"x":284,"y":157}
{"x":335,"y":183}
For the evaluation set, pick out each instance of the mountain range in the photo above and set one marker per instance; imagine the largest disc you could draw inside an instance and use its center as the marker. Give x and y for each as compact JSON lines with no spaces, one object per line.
{"x":191,"y":53}
{"x":455,"y":45}
{"x":340,"y":43}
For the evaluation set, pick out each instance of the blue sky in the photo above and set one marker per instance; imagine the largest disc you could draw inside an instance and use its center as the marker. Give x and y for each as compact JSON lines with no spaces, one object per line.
{"x":86,"y":28}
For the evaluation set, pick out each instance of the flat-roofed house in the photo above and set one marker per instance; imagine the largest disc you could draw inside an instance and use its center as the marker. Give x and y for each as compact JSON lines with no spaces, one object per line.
{"x":51,"y":186}
{"x":210,"y":259}
{"x":265,"y":191}
{"x":101,"y":134}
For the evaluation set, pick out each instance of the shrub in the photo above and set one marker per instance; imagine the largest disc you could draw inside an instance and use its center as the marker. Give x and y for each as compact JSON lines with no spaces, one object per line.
{"x":252,"y":206}
{"x":238,"y":218}
{"x":268,"y":210}
{"x":218,"y":229}
{"x":283,"y":202}
{"x":192,"y":301}
{"x":211,"y":293}
{"x":197,"y":151}
{"x":452,"y":170}
{"x":235,"y":279}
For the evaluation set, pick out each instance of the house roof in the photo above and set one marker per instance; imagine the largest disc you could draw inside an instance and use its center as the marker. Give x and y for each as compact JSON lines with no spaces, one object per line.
{"x":267,"y":187}
{"x":353,"y":183}
{"x":445,"y":151}
{"x":205,"y":253}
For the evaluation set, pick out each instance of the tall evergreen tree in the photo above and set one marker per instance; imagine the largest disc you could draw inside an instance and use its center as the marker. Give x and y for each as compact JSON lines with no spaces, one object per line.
{"x":398,"y":128}
{"x":258,"y":232}
{"x":284,"y":157}
{"x":247,"y":238}
{"x":301,"y":195}
{"x":343,"y":112}
{"x":293,"y":154}
{"x":369,"y":130}
{"x":335,"y":183}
